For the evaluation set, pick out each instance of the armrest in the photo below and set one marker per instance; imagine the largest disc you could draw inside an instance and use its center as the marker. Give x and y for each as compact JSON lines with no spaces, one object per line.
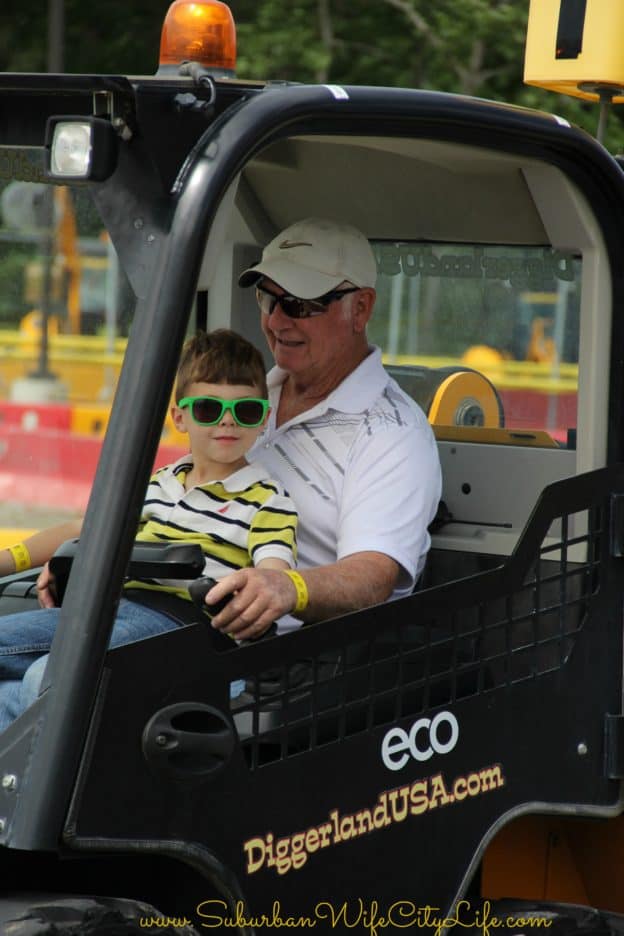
{"x":147,"y":560}
{"x":18,"y":580}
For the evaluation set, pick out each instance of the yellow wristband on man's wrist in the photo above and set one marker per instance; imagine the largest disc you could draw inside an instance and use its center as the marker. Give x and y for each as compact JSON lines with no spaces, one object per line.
{"x":21,"y":557}
{"x":301,"y":588}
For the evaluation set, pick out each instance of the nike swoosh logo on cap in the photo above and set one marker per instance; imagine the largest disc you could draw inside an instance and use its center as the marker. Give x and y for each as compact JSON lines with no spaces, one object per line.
{"x":286,"y":244}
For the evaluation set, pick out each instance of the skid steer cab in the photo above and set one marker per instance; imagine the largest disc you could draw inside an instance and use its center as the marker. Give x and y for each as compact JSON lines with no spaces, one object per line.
{"x":449,"y":759}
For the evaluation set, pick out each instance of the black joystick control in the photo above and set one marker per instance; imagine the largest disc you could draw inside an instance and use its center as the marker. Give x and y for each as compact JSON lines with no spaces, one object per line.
{"x":199,"y":588}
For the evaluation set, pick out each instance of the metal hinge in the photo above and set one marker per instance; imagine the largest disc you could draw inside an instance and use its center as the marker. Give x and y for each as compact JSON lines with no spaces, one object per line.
{"x":614,"y":747}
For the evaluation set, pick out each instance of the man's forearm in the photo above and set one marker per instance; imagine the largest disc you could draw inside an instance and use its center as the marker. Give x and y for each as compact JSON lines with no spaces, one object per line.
{"x":358,"y":581}
{"x":261,"y":596}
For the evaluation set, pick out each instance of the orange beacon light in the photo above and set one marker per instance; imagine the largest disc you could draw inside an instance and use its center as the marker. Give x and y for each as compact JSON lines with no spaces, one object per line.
{"x":199,"y":31}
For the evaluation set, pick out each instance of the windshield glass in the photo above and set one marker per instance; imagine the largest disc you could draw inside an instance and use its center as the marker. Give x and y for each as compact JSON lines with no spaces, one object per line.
{"x":66,"y":308}
{"x":509,"y":313}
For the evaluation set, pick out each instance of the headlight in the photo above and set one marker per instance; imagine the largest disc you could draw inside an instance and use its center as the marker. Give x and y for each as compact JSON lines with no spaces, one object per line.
{"x":80,"y":148}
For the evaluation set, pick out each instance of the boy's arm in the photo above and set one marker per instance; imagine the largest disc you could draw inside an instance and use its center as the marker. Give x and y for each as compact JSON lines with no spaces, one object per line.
{"x":41,"y":546}
{"x":273,"y":534}
{"x":273,"y":564}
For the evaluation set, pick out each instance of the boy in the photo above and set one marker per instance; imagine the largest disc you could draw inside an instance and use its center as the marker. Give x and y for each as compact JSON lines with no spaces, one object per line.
{"x":212,"y":496}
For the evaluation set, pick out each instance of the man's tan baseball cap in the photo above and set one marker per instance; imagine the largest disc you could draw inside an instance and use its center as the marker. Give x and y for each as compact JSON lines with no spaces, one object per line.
{"x":314,"y":256}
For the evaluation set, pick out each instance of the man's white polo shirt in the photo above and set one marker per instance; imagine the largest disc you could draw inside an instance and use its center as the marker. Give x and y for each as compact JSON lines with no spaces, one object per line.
{"x":362,"y":469}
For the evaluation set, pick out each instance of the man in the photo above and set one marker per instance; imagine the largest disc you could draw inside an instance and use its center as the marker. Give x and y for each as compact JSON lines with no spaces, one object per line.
{"x":355,"y":453}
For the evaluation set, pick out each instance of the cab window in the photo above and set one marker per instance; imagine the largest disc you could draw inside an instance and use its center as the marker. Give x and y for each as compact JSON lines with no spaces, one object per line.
{"x":66,"y":308}
{"x":508,"y":313}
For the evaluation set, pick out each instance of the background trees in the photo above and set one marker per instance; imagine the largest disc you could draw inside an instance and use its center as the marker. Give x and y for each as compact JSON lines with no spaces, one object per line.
{"x":468,"y":46}
{"x":471,"y":47}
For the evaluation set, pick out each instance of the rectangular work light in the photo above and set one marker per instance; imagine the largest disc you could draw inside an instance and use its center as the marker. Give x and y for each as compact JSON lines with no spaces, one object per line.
{"x":80,"y":149}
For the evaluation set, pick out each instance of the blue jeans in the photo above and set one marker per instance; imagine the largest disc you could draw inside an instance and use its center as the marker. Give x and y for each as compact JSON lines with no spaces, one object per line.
{"x":26,"y":638}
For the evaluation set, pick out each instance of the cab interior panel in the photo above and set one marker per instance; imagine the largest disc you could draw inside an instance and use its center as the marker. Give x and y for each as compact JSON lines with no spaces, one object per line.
{"x":439,"y":196}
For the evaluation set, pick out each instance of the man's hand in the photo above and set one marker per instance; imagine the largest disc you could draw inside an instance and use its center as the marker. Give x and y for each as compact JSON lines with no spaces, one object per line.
{"x":45,"y":588}
{"x":260,"y":596}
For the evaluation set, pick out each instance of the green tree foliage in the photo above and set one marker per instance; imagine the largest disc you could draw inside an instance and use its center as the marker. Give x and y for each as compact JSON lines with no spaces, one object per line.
{"x":471,"y":47}
{"x":12,"y":270}
{"x":110,"y":37}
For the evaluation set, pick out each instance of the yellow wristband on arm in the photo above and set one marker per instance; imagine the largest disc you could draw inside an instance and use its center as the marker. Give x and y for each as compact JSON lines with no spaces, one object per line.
{"x":301,"y":589}
{"x":21,"y":557}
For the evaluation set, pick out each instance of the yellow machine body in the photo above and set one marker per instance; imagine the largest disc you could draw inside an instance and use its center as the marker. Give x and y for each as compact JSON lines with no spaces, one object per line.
{"x":574,"y":47}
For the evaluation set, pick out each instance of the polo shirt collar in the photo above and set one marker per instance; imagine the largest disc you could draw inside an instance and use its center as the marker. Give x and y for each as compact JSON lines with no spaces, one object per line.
{"x":244,"y":478}
{"x":238,"y":481}
{"x":357,"y":392}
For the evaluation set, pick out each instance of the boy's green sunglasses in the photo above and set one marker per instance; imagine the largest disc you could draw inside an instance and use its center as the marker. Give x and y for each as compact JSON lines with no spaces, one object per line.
{"x":210,"y":410}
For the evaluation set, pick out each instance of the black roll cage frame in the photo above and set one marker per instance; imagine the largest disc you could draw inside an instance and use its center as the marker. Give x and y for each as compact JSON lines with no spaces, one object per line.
{"x":47,"y":760}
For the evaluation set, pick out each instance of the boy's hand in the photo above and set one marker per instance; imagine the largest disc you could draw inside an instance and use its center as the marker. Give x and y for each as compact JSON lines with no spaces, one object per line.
{"x":45,"y":588}
{"x":260,"y":596}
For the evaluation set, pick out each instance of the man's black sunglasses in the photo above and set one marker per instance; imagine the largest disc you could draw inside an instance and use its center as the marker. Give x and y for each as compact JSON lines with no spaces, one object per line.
{"x":297,"y":308}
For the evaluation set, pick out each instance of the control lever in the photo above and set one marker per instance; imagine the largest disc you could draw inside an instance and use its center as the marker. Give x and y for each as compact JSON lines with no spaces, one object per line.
{"x":199,"y":588}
